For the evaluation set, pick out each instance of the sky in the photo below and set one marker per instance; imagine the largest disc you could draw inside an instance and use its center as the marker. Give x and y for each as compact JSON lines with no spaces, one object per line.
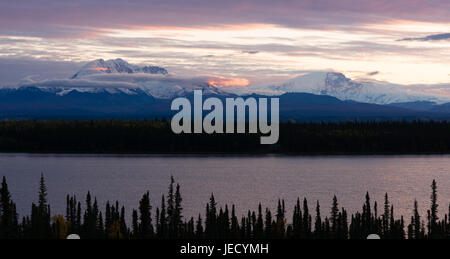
{"x":248,"y":42}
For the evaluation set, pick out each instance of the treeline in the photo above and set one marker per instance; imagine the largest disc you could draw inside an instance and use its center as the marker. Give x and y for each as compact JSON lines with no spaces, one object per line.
{"x":90,"y":222}
{"x":156,"y":137}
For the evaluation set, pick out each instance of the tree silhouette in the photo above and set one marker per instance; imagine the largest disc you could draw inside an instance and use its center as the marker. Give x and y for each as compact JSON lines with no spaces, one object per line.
{"x":218,"y":224}
{"x":9,"y":227}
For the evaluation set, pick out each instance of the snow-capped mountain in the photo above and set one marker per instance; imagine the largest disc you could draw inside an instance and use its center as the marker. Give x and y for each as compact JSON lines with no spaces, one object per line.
{"x":166,"y":88}
{"x":120,"y":77}
{"x":343,"y":88}
{"x":115,"y":66}
{"x":115,"y":88}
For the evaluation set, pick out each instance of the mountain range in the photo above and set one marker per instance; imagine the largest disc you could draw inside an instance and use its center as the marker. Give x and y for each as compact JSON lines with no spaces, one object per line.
{"x":115,"y":66}
{"x":117,"y":89}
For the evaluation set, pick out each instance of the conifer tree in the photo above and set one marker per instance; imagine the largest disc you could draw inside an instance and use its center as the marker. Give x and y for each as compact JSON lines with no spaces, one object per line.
{"x":297,"y":221}
{"x":199,"y":227}
{"x":158,"y":226}
{"x":334,"y":216}
{"x":434,"y":230}
{"x":40,"y":214}
{"x":171,"y":208}
{"x":108,"y":218}
{"x":259,"y":232}
{"x":177,"y":213}
{"x":367,"y":217}
{"x":90,"y":218}
{"x":9,"y":227}
{"x":280,"y":223}
{"x":163,"y":220}
{"x":135,"y":225}
{"x":211,"y":218}
{"x":123,"y":224}
{"x":226,"y":222}
{"x":100,"y":226}
{"x":145,"y":217}
{"x":417,"y":228}
{"x":268,"y":223}
{"x":318,"y":223}
{"x":344,"y":224}
{"x":386,"y":217}
{"x":234,"y":223}
{"x":307,"y":221}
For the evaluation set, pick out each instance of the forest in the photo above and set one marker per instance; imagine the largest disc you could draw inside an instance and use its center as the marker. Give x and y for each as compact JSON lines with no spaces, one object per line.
{"x":156,"y":137}
{"x":88,"y":220}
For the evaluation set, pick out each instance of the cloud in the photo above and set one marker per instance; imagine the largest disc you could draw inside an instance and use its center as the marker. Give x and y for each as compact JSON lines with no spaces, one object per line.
{"x":442,"y":90}
{"x":135,"y":81}
{"x":12,"y":70}
{"x":250,"y":52}
{"x":373,"y":73}
{"x":434,"y":37}
{"x":53,"y":18}
{"x":84,"y":83}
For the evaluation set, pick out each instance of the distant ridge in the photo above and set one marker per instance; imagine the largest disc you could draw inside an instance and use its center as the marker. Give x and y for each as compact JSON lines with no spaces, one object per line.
{"x":35,"y":103}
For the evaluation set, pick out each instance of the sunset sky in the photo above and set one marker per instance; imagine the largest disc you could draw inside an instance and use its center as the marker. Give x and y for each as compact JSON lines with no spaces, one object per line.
{"x":400,"y":41}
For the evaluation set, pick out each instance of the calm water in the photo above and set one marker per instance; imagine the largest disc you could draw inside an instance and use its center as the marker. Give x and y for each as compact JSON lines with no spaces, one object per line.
{"x":244,"y":181}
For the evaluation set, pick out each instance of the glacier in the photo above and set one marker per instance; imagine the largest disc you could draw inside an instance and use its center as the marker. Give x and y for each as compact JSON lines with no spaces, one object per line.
{"x":364,"y":91}
{"x":119,"y":76}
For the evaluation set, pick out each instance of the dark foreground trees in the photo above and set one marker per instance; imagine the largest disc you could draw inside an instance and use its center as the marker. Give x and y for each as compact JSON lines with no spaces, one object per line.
{"x":90,"y":222}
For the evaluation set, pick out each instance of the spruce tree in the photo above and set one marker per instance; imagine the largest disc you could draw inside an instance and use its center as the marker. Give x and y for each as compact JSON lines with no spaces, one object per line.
{"x":434,"y":230}
{"x":211,"y":218}
{"x":145,"y":217}
{"x":9,"y":227}
{"x":177,"y":213}
{"x":417,"y":233}
{"x":280,"y":229}
{"x":163,"y":220}
{"x":123,"y":224}
{"x":135,"y":225}
{"x":318,"y":223}
{"x":40,"y":214}
{"x":108,"y":218}
{"x":334,"y":216}
{"x":199,"y":227}
{"x":268,"y":222}
{"x":307,"y":224}
{"x":234,"y":224}
{"x":259,"y":232}
{"x":171,"y":208}
{"x":386,"y":217}
{"x":226,"y":222}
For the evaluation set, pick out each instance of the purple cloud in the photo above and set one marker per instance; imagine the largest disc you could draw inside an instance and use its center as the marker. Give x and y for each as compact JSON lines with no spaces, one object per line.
{"x":13,"y":70}
{"x":53,"y":18}
{"x":374,"y":73}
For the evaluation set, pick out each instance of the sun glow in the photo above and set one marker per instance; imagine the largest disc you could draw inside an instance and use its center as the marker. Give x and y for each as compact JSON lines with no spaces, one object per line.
{"x":99,"y":68}
{"x":221,"y":82}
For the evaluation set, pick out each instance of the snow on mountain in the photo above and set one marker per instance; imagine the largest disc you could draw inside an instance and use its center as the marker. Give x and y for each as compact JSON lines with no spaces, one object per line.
{"x":119,"y":77}
{"x":343,"y":88}
{"x":166,"y":89}
{"x":115,"y":66}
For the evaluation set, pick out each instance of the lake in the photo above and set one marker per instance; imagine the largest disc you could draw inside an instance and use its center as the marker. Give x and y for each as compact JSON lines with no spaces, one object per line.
{"x":242,"y":180}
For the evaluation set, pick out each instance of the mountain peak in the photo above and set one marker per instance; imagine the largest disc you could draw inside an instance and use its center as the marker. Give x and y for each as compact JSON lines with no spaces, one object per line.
{"x":115,"y":66}
{"x":338,"y":85}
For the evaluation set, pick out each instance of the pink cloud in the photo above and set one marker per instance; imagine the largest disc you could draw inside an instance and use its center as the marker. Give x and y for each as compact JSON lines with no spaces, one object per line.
{"x":46,"y":16}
